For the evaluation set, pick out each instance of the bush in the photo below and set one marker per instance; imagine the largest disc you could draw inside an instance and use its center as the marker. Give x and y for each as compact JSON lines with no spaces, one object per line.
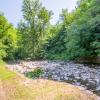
{"x":36,"y":73}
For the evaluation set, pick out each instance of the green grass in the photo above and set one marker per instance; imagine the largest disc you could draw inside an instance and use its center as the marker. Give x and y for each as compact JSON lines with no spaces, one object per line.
{"x":4,"y":73}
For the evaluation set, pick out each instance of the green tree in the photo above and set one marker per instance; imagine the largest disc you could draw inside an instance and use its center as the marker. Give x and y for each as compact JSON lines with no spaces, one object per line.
{"x":8,"y":39}
{"x":79,"y":34}
{"x":83,"y":34}
{"x":33,"y":28}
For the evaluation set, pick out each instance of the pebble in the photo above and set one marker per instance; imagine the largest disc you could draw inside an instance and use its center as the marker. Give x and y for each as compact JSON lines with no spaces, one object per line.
{"x":78,"y":74}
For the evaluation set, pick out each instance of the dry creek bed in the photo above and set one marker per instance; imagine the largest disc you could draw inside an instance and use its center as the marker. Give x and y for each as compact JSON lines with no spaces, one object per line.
{"x":87,"y":76}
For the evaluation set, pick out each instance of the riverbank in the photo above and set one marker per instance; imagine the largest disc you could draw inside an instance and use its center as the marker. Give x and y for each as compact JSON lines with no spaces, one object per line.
{"x":87,"y":76}
{"x":15,"y":86}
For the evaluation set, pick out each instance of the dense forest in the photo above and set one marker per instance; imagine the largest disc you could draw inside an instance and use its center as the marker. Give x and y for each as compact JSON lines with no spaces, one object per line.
{"x":75,"y":35}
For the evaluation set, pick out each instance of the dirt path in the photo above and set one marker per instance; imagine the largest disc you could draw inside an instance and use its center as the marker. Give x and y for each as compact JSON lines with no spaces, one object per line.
{"x":2,"y":93}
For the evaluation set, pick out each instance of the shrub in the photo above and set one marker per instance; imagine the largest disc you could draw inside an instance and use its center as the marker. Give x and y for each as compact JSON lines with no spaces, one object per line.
{"x":36,"y":73}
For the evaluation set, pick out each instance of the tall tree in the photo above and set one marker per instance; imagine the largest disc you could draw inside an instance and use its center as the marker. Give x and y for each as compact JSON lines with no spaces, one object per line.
{"x":8,"y":38}
{"x":33,"y":28}
{"x":79,"y":35}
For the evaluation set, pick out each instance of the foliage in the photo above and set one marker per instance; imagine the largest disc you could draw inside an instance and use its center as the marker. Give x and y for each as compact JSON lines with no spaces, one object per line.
{"x":55,"y":46}
{"x":79,"y":35}
{"x":8,"y":39}
{"x":33,"y":28}
{"x":36,"y":73}
{"x":83,"y":32}
{"x":76,"y":35}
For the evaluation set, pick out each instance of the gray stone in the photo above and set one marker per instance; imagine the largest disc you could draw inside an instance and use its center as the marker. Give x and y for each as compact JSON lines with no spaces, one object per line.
{"x":77,"y":74}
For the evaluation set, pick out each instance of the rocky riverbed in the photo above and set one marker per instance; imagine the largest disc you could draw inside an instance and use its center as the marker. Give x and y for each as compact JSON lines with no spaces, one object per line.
{"x":87,"y":76}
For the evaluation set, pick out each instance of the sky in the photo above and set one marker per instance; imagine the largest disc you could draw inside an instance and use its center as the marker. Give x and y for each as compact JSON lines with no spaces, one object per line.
{"x":12,"y":8}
